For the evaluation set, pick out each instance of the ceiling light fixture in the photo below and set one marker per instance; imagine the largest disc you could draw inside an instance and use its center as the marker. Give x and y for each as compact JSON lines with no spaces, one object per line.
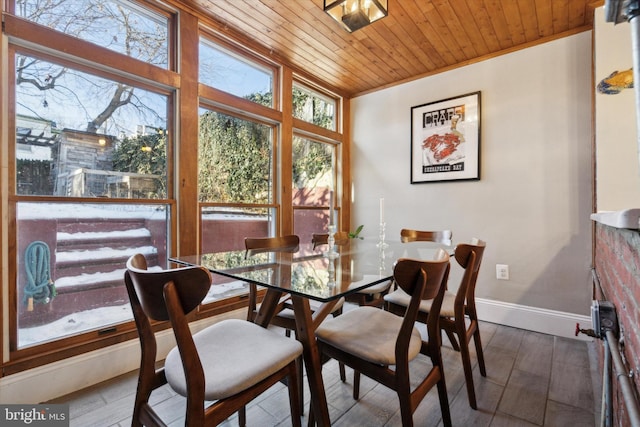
{"x":355,"y":14}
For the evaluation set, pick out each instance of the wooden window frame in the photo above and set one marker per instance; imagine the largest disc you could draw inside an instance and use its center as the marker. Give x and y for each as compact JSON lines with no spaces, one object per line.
{"x":186,"y":26}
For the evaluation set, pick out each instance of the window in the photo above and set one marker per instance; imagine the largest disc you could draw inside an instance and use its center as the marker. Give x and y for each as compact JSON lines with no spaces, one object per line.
{"x":120,"y":25}
{"x":91,"y":182}
{"x":81,"y":135}
{"x":235,"y":159}
{"x":95,"y":158}
{"x":71,"y":264}
{"x":235,"y":169}
{"x":313,"y":107}
{"x":314,"y":179}
{"x":235,"y":182}
{"x":237,"y":75}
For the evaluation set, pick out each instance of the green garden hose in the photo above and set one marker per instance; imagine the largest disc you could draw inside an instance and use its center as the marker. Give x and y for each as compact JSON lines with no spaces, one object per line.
{"x":40,"y":288}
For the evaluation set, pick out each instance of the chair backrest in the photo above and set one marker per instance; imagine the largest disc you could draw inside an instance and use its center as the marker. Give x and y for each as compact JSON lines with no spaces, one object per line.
{"x":341,"y":238}
{"x":255,"y":245}
{"x":192,"y":285}
{"x":441,"y":236}
{"x":422,"y":280}
{"x":288,"y":243}
{"x":407,"y":273}
{"x":469,"y":257}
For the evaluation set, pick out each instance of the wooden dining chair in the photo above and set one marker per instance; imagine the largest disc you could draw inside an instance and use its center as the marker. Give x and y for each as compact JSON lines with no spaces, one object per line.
{"x":374,"y":295}
{"x":289,"y":243}
{"x":255,"y":245}
{"x":370,"y":296}
{"x":317,"y":239}
{"x":228,"y":363}
{"x":370,"y":340}
{"x":458,"y":313}
{"x":285,"y":317}
{"x":440,"y":236}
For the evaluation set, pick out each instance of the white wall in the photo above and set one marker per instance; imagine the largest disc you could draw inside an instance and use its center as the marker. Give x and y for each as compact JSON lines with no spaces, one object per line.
{"x":617,"y":164}
{"x":533,"y":202}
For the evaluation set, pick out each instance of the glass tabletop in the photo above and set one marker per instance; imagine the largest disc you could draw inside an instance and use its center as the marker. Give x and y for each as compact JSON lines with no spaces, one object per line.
{"x":310,"y":272}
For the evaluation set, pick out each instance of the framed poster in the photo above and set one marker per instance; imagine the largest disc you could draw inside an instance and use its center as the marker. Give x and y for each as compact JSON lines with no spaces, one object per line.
{"x":445,"y":140}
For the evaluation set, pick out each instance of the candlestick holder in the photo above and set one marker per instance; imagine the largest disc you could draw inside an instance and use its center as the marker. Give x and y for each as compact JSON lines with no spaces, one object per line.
{"x":331,"y":242}
{"x":382,"y":265}
{"x":331,"y":269}
{"x":381,"y":243}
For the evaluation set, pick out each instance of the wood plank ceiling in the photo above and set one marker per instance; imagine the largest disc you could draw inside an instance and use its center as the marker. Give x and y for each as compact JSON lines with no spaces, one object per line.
{"x":417,"y":39}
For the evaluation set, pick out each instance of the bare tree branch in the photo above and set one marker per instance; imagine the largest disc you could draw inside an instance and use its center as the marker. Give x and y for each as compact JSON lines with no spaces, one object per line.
{"x":122,"y":96}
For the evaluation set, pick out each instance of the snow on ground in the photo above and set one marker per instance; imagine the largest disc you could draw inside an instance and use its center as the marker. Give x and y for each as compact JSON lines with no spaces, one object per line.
{"x":73,"y":323}
{"x":27,"y":210}
{"x":95,"y":235}
{"x":100,"y":318}
{"x":103,"y":253}
{"x":85,"y":279}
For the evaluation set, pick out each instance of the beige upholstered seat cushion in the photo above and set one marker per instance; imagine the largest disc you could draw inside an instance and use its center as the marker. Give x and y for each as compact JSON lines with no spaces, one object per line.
{"x":400,"y":297}
{"x":235,"y":354}
{"x":369,"y":333}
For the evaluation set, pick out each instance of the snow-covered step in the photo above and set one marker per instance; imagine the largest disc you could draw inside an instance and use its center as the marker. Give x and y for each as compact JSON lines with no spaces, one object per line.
{"x":96,"y":239}
{"x":88,"y":258}
{"x":67,"y":225}
{"x":104,"y":259}
{"x":102,"y":254}
{"x":87,"y":281}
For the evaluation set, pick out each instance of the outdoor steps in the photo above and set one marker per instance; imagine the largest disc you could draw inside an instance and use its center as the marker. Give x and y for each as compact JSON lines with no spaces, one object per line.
{"x":88,"y":266}
{"x":91,"y":240}
{"x":104,"y":259}
{"x":81,"y":225}
{"x":99,"y":246}
{"x":77,"y":270}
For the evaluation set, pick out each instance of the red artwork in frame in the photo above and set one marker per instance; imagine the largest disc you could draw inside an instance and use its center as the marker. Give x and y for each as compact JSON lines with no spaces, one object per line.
{"x":445,"y":140}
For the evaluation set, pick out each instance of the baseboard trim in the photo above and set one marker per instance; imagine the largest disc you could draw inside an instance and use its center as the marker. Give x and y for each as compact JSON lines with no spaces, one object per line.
{"x":535,"y":319}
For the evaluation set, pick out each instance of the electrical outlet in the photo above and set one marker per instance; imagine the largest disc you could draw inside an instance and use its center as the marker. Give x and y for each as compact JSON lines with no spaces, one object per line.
{"x":502,"y":272}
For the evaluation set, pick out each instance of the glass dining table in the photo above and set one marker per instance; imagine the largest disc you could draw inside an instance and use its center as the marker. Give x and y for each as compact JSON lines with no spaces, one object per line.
{"x":312,"y":274}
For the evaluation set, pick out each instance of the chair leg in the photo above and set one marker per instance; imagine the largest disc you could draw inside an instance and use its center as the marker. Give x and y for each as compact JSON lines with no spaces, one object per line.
{"x":295,"y":393}
{"x":444,"y":401}
{"x":479,"y":353}
{"x":343,"y":375}
{"x":433,"y":350}
{"x":453,"y":340}
{"x":141,"y":400}
{"x":468,"y":373}
{"x":312,"y":419}
{"x":404,"y":396}
{"x":242,"y":417}
{"x":356,"y":385}
{"x":300,"y":368}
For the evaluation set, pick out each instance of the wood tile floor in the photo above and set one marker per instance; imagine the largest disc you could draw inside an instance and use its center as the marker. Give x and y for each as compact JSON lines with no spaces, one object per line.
{"x":532,"y":379}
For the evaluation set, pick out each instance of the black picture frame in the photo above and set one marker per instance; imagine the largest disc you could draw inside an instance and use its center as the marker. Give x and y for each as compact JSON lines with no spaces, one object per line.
{"x":445,"y":140}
